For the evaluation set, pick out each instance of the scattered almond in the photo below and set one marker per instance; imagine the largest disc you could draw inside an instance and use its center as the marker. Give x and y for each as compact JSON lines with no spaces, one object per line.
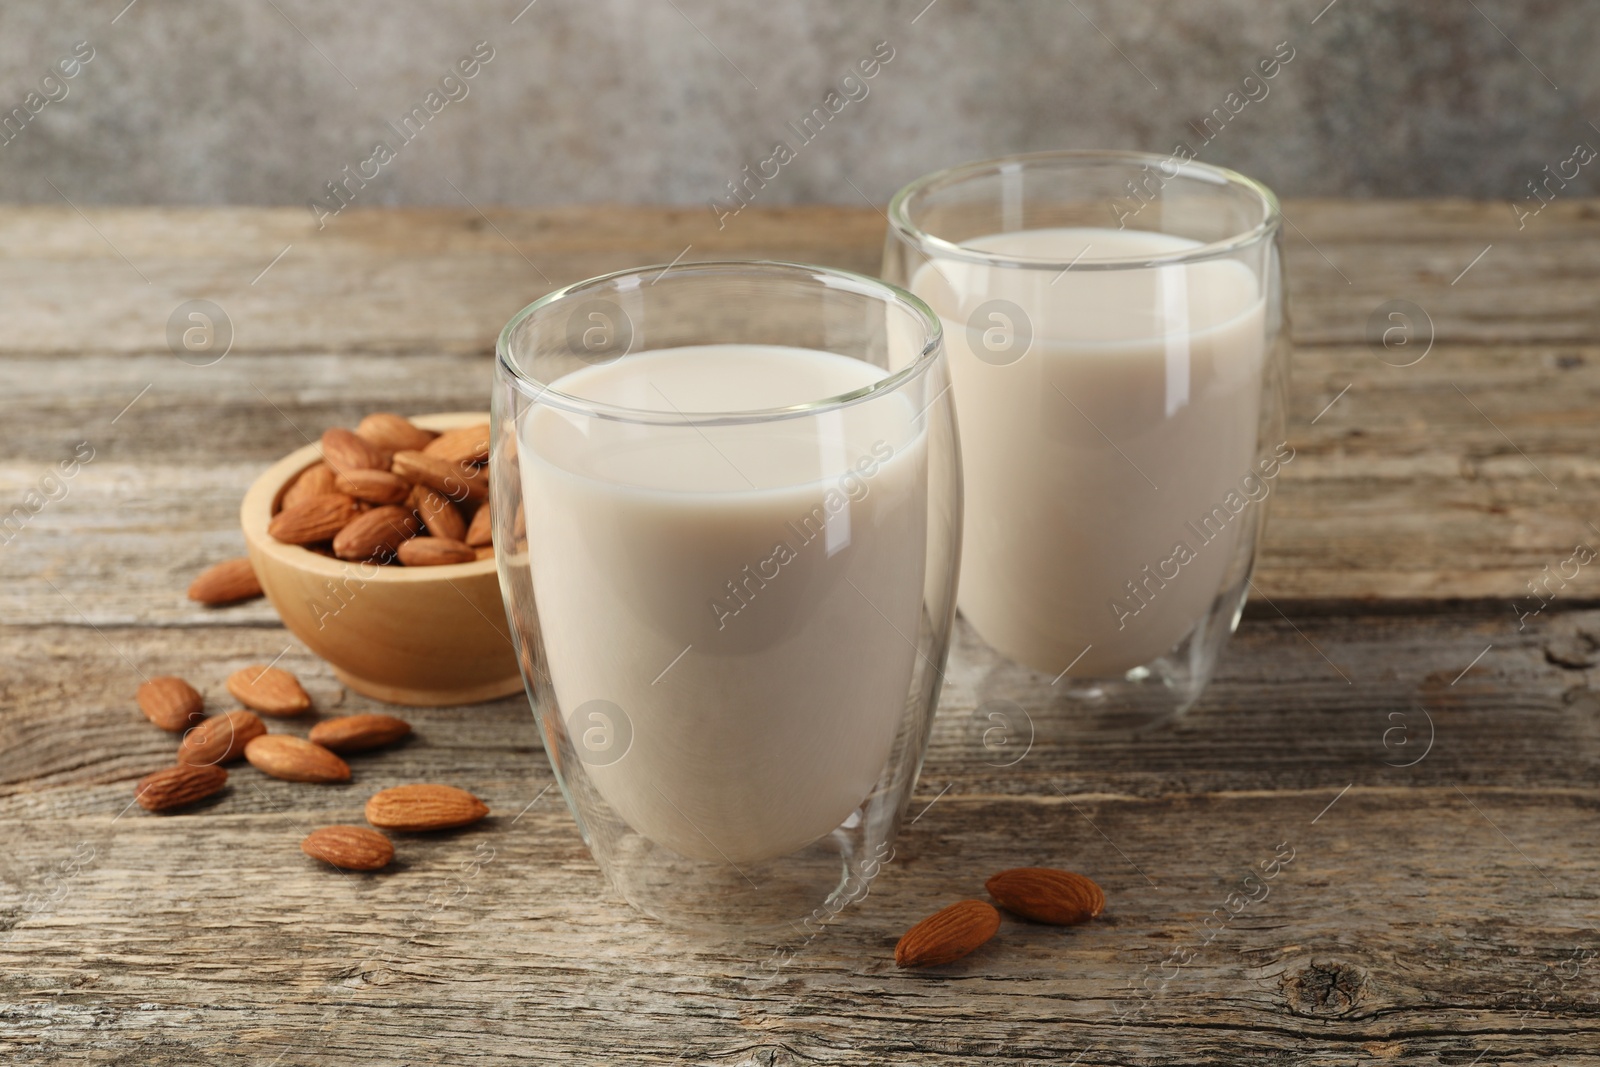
{"x":374,"y":487}
{"x":470,"y":444}
{"x":171,"y":703}
{"x":271,"y":690}
{"x":393,"y":433}
{"x":344,"y":452}
{"x":219,"y":739}
{"x":480,"y":533}
{"x":294,"y":759}
{"x":357,"y":733}
{"x":454,"y":480}
{"x":351,"y":848}
{"x":948,"y":934}
{"x":375,"y":533}
{"x":435,"y":551}
{"x":178,"y":786}
{"x":486,"y":552}
{"x":315,"y":480}
{"x":425,"y":807}
{"x":1047,"y":895}
{"x":438,"y":514}
{"x":312,"y":520}
{"x":225,"y":583}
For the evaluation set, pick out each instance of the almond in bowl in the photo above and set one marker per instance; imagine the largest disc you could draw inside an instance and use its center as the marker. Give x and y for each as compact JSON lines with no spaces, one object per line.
{"x":328,"y":533}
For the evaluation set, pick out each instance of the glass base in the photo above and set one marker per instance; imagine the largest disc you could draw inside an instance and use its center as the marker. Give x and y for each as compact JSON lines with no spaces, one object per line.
{"x":761,"y":901}
{"x":1148,"y":696}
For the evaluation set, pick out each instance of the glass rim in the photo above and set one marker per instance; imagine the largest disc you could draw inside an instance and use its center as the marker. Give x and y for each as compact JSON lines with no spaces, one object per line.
{"x":901,"y":225}
{"x":830,"y":277}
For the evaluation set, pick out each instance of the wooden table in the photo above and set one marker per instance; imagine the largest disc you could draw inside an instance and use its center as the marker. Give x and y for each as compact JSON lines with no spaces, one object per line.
{"x":1387,"y":713}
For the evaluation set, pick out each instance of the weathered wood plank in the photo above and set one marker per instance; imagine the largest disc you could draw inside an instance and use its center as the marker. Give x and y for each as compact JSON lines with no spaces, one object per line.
{"x":429,"y":280}
{"x":1454,"y":899}
{"x":1404,"y":488}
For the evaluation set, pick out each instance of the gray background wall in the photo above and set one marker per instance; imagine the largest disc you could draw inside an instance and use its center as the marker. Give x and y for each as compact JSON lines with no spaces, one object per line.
{"x":263,"y":101}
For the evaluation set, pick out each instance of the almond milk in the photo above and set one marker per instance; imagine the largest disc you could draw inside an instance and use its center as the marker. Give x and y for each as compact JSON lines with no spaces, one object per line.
{"x":1130,"y":415}
{"x":745,"y":595}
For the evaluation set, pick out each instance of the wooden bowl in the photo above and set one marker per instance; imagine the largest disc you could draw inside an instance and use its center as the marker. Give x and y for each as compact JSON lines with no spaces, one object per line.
{"x":407,"y":635}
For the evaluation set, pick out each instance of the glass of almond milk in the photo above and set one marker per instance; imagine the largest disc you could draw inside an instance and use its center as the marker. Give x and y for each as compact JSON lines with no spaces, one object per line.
{"x":1118,"y":345}
{"x":727,"y":511}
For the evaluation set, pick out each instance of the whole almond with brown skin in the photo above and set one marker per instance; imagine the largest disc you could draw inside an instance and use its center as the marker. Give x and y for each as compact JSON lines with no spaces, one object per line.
{"x":469,"y":444}
{"x":270,"y":690}
{"x":311,"y":520}
{"x":486,"y":552}
{"x":424,"y":807}
{"x":171,"y":703}
{"x":481,"y":532}
{"x":948,"y":934}
{"x":376,"y":533}
{"x":344,"y":451}
{"x":315,"y":480}
{"x":357,"y":733}
{"x":227,"y":582}
{"x":350,"y":848}
{"x":393,"y":433}
{"x":435,"y":552}
{"x":455,"y":481}
{"x":1047,"y":895}
{"x":178,"y":786}
{"x":219,"y":739}
{"x":374,"y":487}
{"x":441,"y":517}
{"x":294,"y":759}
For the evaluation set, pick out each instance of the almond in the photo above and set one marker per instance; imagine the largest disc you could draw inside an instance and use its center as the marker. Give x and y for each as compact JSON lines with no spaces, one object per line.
{"x":178,"y":786}
{"x":480,"y":533}
{"x":271,"y":690}
{"x":374,"y":487}
{"x":376,"y":533}
{"x":226,"y":582}
{"x":357,"y":733}
{"x":486,"y":552}
{"x":948,"y":934}
{"x":294,"y":759}
{"x":344,"y":451}
{"x":351,"y":848}
{"x":439,"y":515}
{"x":315,"y":480}
{"x":1047,"y":895}
{"x":311,"y":520}
{"x":171,"y":703}
{"x":424,"y":807}
{"x":393,"y":433}
{"x":435,"y":552}
{"x":470,"y":444}
{"x":452,"y":479}
{"x":519,"y":524}
{"x":220,"y":739}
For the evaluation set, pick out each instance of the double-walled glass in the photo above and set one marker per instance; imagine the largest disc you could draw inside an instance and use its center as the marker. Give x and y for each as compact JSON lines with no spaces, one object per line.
{"x":1118,"y":343}
{"x":727,"y":512}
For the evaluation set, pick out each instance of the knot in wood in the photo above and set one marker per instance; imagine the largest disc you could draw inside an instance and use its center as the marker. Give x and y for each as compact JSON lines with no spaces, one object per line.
{"x":1326,"y":988}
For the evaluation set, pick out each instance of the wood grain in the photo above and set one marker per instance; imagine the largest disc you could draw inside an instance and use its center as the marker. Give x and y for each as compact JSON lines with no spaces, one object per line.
{"x":1429,"y":756}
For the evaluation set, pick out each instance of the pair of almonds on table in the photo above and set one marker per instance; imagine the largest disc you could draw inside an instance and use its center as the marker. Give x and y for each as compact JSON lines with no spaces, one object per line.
{"x":408,"y":808}
{"x":297,"y":759}
{"x":1043,"y":894}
